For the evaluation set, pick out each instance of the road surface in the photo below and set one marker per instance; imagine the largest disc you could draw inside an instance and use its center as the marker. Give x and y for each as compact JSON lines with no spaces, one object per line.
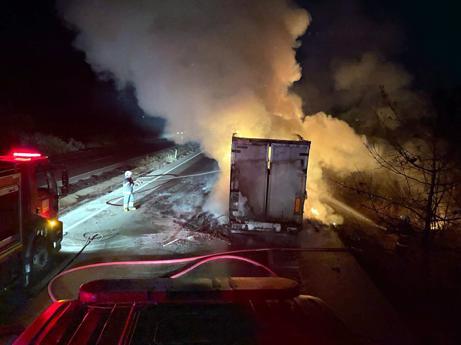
{"x":153,"y":231}
{"x":85,"y":163}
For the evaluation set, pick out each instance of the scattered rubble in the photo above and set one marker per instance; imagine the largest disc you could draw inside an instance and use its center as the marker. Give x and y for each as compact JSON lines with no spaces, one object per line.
{"x":182,"y":204}
{"x":206,"y":224}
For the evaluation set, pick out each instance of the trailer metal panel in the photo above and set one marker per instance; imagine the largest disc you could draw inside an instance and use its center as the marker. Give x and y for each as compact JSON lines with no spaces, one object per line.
{"x":249,"y":178}
{"x":267,"y":183}
{"x":287,"y":182}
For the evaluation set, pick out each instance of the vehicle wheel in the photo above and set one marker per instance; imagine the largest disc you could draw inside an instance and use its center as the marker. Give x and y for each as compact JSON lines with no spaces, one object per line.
{"x":39,"y":260}
{"x":41,"y":256}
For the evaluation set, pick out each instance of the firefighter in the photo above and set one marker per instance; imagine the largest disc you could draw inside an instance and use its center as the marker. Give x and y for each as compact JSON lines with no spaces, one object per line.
{"x":405,"y":231}
{"x":128,"y":192}
{"x":405,"y":227}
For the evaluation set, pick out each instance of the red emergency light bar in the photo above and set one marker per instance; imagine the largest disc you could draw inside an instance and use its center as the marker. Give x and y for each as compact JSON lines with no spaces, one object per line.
{"x":22,"y":155}
{"x":27,"y":154}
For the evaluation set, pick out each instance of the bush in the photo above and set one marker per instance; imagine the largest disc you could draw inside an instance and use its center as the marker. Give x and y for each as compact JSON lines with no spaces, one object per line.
{"x":50,"y":144}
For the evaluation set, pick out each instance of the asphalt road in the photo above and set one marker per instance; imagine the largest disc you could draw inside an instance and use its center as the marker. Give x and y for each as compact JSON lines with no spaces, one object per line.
{"x":85,"y":163}
{"x":325,"y":269}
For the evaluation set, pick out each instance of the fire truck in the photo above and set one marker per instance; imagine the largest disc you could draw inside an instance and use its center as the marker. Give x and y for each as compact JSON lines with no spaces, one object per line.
{"x":30,"y":232}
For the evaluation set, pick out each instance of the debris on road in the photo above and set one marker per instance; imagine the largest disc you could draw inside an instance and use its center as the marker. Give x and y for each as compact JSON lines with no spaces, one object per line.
{"x":205,"y":223}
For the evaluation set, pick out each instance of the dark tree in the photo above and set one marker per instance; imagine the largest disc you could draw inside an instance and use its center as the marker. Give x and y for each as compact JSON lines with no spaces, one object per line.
{"x":418,"y":177}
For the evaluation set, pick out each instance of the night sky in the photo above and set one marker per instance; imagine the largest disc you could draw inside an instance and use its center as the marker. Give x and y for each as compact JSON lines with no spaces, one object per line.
{"x":421,"y":35}
{"x":46,"y":85}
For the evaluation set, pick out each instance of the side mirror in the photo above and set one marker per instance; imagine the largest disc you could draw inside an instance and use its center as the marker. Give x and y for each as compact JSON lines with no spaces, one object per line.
{"x":65,"y":183}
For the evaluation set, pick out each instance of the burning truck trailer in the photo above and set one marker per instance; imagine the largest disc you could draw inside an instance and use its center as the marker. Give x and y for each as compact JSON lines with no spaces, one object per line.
{"x":267,"y":184}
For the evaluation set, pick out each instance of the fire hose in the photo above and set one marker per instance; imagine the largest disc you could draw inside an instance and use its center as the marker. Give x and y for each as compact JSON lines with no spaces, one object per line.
{"x":113,"y":201}
{"x":194,"y":261}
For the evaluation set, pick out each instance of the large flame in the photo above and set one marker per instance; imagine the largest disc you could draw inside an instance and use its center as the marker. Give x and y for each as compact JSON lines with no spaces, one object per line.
{"x":335,"y":146}
{"x":213,"y":68}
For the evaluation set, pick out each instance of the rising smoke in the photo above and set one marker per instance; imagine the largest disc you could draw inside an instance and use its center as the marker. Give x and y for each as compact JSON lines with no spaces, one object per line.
{"x":347,"y":58}
{"x":213,"y":68}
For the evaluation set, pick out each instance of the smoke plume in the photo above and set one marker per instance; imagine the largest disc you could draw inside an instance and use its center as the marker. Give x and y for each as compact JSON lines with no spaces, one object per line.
{"x":213,"y":68}
{"x":347,"y":59}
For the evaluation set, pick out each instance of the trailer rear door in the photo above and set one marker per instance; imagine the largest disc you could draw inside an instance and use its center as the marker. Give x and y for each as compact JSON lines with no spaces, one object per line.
{"x":287,"y":181}
{"x":248,"y":178}
{"x":268,"y":180}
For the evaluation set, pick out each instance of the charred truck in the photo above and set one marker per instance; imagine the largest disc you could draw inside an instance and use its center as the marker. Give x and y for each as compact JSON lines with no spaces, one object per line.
{"x":267,"y":184}
{"x":30,"y":232}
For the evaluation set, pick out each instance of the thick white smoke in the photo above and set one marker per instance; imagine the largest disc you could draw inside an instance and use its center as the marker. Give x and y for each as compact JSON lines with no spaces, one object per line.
{"x":358,"y":82}
{"x":212,"y":68}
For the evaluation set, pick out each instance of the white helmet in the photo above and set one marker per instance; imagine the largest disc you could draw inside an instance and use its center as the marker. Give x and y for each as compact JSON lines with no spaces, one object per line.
{"x":128,"y":174}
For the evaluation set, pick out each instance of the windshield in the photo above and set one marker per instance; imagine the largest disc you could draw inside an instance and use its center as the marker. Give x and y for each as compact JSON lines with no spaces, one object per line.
{"x":46,"y":180}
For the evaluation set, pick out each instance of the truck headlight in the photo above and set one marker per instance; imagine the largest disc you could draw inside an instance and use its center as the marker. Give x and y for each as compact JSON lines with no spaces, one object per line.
{"x":52,"y":223}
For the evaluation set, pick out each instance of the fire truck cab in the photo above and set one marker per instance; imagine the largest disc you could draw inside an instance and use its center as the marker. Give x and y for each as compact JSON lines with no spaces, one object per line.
{"x":224,"y":310}
{"x":30,"y":232}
